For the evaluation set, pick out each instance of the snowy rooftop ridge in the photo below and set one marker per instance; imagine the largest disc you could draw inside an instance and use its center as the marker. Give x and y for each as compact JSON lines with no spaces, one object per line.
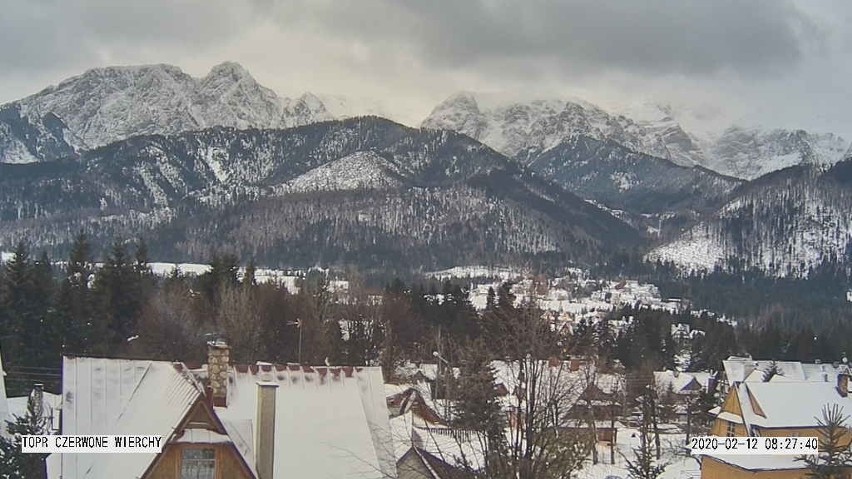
{"x":119,"y":396}
{"x":330,"y":421}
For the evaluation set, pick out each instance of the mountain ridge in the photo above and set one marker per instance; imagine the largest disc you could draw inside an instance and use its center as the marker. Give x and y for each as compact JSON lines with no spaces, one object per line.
{"x":454,"y":198}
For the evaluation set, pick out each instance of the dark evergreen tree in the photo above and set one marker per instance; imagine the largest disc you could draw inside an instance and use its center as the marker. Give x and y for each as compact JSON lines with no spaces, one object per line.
{"x":223,"y":272}
{"x":75,"y":302}
{"x":23,"y":307}
{"x":835,"y":457}
{"x":477,"y":407}
{"x":13,"y":463}
{"x":490,"y":300}
{"x":118,"y":290}
{"x":249,"y":278}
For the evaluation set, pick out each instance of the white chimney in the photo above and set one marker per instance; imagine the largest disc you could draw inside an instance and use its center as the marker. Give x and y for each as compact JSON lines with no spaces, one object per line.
{"x":264,"y":444}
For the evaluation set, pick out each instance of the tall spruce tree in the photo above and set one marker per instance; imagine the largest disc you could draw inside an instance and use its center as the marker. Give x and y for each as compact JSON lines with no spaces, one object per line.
{"x":834,"y":459}
{"x":74,"y":303}
{"x":22,"y":308}
{"x":477,"y":407}
{"x":118,"y":289}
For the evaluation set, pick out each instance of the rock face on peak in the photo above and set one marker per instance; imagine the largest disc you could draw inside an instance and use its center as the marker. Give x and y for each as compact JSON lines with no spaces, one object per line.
{"x":750,"y":153}
{"x":644,"y":171}
{"x":526,"y":129}
{"x":108,"y":104}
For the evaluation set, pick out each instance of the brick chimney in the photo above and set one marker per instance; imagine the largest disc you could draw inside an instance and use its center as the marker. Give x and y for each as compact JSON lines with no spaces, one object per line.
{"x":843,"y":383}
{"x":218,"y":365}
{"x":264,"y":444}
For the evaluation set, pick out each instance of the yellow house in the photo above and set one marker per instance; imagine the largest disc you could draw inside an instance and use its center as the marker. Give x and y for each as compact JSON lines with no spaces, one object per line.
{"x":779,"y":407}
{"x":751,"y":467}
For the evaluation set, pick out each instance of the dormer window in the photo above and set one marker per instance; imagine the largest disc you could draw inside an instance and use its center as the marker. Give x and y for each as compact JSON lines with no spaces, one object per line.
{"x":198,"y":463}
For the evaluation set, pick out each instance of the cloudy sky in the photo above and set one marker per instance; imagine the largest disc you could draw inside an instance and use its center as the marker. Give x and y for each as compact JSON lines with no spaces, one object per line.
{"x":773,"y":62}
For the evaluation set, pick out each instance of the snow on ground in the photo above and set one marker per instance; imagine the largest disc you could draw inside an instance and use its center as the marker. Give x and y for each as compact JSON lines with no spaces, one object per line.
{"x":504,"y":274}
{"x":693,"y":251}
{"x":680,"y":467}
{"x":360,"y":170}
{"x":288,"y":279}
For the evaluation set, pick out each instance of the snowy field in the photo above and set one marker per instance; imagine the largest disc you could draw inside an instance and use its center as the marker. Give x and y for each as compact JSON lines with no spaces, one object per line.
{"x":679,"y":467}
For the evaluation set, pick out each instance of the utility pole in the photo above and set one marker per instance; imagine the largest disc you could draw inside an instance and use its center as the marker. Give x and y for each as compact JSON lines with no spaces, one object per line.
{"x":449,"y":370}
{"x":298,"y":323}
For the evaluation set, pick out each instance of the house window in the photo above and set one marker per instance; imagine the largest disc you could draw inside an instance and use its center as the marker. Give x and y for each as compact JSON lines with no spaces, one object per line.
{"x":198,"y":464}
{"x":731,"y":429}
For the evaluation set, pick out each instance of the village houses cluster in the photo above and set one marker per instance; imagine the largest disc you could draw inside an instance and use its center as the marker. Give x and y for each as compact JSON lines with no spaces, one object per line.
{"x":268,"y":421}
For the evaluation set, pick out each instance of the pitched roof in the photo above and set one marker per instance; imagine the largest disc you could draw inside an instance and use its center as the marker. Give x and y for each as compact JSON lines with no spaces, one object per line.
{"x":117,"y":396}
{"x":760,"y":462}
{"x":680,"y":382}
{"x":788,"y":404}
{"x":329,"y":423}
{"x":739,"y":369}
{"x":51,"y":404}
{"x":437,"y":467}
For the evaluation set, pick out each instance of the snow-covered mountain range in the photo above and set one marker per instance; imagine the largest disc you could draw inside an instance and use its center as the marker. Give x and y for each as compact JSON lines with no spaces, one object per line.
{"x":109,"y":104}
{"x":363,"y":191}
{"x":139,"y":143}
{"x":750,"y":153}
{"x":524,"y":129}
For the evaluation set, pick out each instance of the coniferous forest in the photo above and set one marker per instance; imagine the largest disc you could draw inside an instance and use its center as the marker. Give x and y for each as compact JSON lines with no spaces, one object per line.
{"x":115,"y":306}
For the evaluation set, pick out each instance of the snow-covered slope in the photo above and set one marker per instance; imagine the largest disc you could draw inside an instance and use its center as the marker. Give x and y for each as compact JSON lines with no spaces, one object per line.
{"x":610,"y":174}
{"x":359,"y":171}
{"x":109,"y":104}
{"x":25,"y":141}
{"x":527,"y":128}
{"x":783,"y":223}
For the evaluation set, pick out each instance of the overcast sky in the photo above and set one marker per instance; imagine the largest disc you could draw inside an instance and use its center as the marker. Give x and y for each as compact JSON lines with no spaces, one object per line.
{"x":773,"y":62}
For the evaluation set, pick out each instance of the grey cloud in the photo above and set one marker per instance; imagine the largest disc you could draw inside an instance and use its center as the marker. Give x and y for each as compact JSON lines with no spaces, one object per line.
{"x":583,"y":36}
{"x":56,"y":34}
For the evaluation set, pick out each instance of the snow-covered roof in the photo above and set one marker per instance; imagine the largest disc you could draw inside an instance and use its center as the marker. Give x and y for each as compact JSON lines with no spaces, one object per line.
{"x":704,"y":378}
{"x":330,"y":422}
{"x":680,"y":382}
{"x":50,"y":402}
{"x":738,"y":369}
{"x":427,"y":370}
{"x":118,"y":396}
{"x":51,"y":405}
{"x":760,"y":462}
{"x":747,"y":369}
{"x":453,"y":446}
{"x":787,"y":403}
